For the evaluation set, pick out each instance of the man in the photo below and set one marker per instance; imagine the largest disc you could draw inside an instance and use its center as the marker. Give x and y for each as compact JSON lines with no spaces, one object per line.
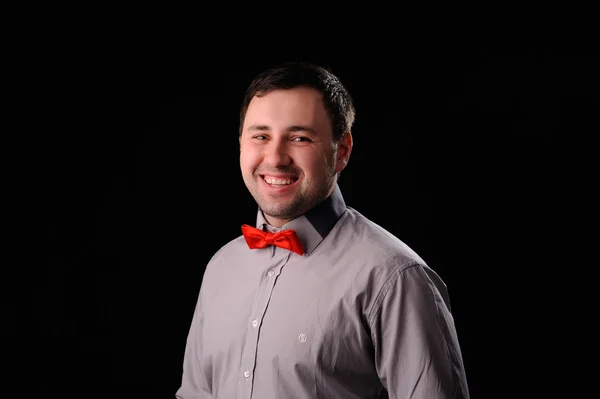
{"x":317,"y":301}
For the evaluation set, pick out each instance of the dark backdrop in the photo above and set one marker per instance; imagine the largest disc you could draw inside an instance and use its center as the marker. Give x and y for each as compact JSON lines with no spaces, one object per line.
{"x":139,"y":185}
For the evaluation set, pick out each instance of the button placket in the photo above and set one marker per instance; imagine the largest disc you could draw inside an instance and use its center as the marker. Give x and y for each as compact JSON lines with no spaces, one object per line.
{"x":265,"y":289}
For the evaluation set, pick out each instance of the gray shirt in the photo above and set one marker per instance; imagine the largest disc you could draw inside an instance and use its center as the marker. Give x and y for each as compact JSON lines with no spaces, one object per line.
{"x":358,"y":315}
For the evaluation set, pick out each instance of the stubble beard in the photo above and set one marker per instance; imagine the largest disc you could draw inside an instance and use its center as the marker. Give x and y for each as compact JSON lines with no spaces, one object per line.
{"x":303,"y":201}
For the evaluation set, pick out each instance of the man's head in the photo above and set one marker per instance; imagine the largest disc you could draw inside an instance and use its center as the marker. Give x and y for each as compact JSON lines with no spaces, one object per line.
{"x":295,"y":138}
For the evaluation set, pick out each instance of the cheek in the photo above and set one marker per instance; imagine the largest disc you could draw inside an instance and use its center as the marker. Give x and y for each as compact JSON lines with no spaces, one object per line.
{"x":249,"y":159}
{"x":313,"y":163}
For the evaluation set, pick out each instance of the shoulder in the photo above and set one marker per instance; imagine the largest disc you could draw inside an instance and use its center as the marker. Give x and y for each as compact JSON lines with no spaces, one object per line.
{"x":378,"y":262}
{"x":224,"y":264}
{"x":234,"y":249}
{"x":373,"y":243}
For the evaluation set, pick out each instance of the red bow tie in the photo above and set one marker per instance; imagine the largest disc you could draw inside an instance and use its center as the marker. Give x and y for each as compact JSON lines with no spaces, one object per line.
{"x":287,"y":239}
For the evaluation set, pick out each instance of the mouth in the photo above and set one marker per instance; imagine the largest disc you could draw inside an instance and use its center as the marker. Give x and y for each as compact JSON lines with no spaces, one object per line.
{"x":279,"y":182}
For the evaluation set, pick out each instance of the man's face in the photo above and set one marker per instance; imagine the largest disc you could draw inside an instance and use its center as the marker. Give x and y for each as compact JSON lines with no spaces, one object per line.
{"x":288,"y":159}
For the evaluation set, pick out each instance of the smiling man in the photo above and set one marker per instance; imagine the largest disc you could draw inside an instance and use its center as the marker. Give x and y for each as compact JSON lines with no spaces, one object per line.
{"x":288,"y":155}
{"x":315,"y":300}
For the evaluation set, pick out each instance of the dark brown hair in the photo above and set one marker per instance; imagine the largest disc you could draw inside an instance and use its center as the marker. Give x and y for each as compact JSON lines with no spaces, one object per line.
{"x":338,"y":102}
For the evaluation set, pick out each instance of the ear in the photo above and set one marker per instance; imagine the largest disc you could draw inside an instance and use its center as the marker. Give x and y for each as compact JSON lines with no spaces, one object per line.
{"x":344,"y":149}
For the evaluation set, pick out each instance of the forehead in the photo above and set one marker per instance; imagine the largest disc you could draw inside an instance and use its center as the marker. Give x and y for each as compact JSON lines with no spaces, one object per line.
{"x":300,"y":105}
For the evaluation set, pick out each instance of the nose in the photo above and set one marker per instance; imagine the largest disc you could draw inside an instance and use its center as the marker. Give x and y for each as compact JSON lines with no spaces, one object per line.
{"x":276,"y":154}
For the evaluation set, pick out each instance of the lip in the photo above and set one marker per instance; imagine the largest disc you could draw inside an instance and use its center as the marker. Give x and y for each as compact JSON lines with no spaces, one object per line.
{"x":281,"y":189}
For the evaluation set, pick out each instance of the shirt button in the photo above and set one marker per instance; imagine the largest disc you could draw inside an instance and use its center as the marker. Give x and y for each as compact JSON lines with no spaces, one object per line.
{"x":254,"y":323}
{"x":247,"y":374}
{"x":271,"y":273}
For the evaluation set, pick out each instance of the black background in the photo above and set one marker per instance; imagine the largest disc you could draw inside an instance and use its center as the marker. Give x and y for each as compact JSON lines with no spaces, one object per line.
{"x":138,"y":184}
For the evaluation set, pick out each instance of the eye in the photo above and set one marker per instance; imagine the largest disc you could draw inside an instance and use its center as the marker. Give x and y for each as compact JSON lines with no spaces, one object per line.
{"x":301,"y":139}
{"x":260,"y":137}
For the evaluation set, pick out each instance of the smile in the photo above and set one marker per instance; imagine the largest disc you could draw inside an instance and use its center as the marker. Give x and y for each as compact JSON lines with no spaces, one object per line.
{"x":277,"y":181}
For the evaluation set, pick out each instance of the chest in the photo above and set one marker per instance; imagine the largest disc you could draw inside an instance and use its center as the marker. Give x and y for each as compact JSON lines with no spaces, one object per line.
{"x":289,"y":315}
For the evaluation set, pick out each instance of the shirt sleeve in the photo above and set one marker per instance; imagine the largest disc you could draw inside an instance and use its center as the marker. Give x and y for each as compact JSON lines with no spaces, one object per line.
{"x":417,"y":353}
{"x":194,"y":381}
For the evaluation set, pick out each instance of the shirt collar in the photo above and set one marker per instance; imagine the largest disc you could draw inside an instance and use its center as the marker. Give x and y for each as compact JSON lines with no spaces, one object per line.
{"x":313,"y":226}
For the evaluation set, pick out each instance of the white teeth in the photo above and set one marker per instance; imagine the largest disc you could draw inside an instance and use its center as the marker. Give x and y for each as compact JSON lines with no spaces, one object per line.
{"x":278,"y":181}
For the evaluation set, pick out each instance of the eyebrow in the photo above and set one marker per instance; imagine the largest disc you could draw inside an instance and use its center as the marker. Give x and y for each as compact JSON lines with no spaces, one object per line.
{"x":291,"y":129}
